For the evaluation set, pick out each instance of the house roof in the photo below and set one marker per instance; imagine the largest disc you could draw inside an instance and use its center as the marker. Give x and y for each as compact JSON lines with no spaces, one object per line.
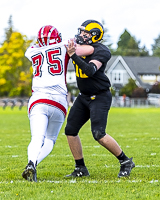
{"x":143,"y":65}
{"x":139,"y":66}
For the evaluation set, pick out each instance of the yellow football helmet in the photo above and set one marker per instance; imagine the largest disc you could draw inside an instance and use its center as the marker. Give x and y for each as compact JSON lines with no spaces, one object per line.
{"x":93,"y":27}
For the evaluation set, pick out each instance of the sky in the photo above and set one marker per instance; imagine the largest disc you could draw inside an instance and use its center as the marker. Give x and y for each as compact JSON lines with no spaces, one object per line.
{"x":141,"y":18}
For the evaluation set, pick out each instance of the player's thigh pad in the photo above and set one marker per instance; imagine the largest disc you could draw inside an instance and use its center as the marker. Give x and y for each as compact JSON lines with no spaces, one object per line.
{"x":38,"y":127}
{"x":55,"y":123}
{"x":78,"y":116}
{"x":99,"y":109}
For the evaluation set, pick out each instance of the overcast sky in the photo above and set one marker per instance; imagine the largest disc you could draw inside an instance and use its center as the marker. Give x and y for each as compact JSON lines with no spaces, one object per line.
{"x":140,"y":17}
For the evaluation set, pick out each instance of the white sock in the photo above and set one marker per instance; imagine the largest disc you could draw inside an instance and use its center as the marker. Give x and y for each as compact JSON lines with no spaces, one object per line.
{"x":45,"y":150}
{"x":34,"y":149}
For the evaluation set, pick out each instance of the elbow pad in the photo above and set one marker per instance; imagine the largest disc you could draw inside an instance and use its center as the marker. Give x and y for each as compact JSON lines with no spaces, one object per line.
{"x":88,"y":68}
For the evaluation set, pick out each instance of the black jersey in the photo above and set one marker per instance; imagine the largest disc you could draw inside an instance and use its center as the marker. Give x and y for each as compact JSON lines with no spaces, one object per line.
{"x":99,"y":81}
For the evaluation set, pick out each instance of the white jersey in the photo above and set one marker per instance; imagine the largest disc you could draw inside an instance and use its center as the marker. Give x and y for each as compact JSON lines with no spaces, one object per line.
{"x":49,"y":68}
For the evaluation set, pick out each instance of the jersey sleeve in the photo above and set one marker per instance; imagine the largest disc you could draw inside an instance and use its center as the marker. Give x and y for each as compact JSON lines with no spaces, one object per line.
{"x":29,"y":51}
{"x":27,"y":54}
{"x":101,"y":53}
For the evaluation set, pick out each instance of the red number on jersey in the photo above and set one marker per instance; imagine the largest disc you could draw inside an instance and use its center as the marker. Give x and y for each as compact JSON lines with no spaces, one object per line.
{"x":37,"y":61}
{"x":55,"y":64}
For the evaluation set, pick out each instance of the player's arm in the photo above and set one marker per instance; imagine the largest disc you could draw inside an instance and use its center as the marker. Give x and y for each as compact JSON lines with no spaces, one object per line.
{"x":80,"y":50}
{"x":84,"y":50}
{"x":88,"y":68}
{"x":97,"y":63}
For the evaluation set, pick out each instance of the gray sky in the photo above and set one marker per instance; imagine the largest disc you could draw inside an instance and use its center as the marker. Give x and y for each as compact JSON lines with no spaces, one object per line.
{"x":140,"y":17}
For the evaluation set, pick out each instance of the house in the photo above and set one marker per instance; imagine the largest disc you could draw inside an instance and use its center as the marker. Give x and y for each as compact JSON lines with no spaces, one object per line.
{"x":144,"y":70}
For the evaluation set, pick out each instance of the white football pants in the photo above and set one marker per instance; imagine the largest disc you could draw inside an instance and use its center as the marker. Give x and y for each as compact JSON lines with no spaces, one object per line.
{"x":46,"y":117}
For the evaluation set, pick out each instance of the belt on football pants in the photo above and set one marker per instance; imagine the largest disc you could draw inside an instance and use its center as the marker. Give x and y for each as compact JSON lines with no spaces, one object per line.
{"x":92,"y":97}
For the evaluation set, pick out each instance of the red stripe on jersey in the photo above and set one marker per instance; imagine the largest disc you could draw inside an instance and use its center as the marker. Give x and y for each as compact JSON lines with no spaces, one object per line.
{"x":66,"y":65}
{"x":48,"y":102}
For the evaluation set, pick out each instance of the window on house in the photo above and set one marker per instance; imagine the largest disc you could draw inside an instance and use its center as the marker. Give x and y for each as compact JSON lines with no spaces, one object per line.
{"x":117,"y":77}
{"x":151,"y":79}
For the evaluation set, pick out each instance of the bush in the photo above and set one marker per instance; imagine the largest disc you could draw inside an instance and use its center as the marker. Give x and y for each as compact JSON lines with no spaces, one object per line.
{"x":128,"y":88}
{"x":155,"y":88}
{"x":139,"y":93}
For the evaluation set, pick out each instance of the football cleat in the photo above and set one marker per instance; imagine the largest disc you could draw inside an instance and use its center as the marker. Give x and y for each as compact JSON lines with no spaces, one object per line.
{"x":126,"y":167}
{"x":30,"y":172}
{"x":79,"y":172}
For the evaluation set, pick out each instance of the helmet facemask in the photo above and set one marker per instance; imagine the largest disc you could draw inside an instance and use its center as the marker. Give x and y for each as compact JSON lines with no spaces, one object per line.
{"x":83,"y":39}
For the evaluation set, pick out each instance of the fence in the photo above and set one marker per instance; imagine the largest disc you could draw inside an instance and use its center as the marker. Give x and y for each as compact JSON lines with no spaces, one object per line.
{"x":134,"y":102}
{"x":20,"y":102}
{"x":116,"y":102}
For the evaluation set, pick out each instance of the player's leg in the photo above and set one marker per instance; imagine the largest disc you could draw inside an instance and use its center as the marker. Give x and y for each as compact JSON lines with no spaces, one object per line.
{"x":99,"y":114}
{"x":56,"y":119}
{"x":38,"y":126}
{"x":45,"y":149}
{"x":75,"y":146}
{"x":78,"y":116}
{"x":99,"y":109}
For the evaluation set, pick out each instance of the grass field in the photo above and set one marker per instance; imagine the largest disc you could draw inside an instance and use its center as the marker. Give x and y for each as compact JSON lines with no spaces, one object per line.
{"x":137,"y":130}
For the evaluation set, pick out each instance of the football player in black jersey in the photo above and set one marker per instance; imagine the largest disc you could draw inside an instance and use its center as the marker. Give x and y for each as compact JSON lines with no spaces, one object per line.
{"x":94,"y":99}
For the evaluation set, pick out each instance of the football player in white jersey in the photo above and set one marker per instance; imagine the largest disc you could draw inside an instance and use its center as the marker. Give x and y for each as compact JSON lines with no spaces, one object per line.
{"x":48,"y":105}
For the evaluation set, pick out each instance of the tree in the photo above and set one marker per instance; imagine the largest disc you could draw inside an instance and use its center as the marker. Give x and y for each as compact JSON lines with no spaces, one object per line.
{"x":9,"y":30}
{"x":129,"y":46}
{"x":106,"y":37}
{"x":128,"y":88}
{"x":113,"y":92}
{"x":15,"y":73}
{"x":144,"y":51}
{"x":156,"y":47}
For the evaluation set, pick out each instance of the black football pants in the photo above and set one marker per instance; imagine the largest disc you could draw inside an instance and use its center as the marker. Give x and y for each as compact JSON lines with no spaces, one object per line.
{"x":84,"y":109}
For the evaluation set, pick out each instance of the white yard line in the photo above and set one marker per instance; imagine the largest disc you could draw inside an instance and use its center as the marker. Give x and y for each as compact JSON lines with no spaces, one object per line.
{"x":73,"y":181}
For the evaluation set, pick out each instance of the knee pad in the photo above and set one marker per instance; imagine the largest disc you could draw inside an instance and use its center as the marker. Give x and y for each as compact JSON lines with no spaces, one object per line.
{"x":98,"y":134}
{"x":69,"y":130}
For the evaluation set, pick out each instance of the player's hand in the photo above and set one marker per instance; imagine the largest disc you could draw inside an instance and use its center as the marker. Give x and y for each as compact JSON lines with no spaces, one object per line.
{"x":71,"y":47}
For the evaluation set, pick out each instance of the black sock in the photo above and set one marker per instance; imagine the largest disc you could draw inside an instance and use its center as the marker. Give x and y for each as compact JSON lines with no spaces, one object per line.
{"x":80,"y":162}
{"x":122,"y":157}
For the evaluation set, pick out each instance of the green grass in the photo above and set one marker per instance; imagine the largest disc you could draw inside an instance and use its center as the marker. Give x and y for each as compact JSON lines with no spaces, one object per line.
{"x":137,"y":130}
